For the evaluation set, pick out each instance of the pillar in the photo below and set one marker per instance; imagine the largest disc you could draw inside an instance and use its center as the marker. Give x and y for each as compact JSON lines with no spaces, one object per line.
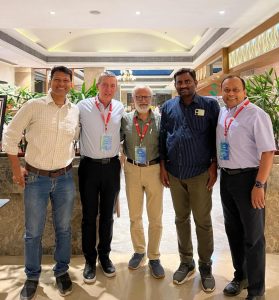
{"x":24,"y":78}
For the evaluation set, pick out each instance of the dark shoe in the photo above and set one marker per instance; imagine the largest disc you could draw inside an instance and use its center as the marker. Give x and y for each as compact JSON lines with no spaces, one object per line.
{"x":254,"y":297}
{"x":89,"y":273}
{"x":29,"y":290}
{"x":184,"y":272}
{"x":207,"y":279}
{"x":156,"y":269}
{"x":107,"y":266}
{"x":64,"y":284}
{"x":235,"y":287}
{"x":136,"y":261}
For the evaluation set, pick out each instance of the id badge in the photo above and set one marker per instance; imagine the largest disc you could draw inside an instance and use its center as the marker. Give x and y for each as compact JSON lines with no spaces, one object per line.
{"x":224,"y":153}
{"x":106,"y":142}
{"x":140,"y":155}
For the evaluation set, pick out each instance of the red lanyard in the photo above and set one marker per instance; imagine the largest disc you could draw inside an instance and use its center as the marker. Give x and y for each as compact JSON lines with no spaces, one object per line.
{"x":106,"y":121}
{"x":141,"y":135}
{"x":227,"y":127}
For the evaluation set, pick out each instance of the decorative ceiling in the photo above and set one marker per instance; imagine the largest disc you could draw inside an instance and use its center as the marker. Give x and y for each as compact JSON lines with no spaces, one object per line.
{"x":118,"y":34}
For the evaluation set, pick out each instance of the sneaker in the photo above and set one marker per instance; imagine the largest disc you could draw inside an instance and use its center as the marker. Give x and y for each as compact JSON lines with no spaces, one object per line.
{"x":207,"y":279}
{"x":136,"y":261}
{"x":107,"y":266}
{"x":64,"y":284}
{"x":235,"y":287}
{"x":184,"y":272}
{"x":156,"y":268}
{"x":89,"y":273}
{"x":29,"y":289}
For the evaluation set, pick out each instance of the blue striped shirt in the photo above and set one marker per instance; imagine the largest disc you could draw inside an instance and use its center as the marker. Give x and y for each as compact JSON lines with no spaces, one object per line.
{"x":188,"y":135}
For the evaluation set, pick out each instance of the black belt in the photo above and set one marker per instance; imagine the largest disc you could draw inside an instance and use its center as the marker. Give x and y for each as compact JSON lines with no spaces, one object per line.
{"x":148,"y":163}
{"x":51,"y":173}
{"x":238,"y":171}
{"x":102,"y":161}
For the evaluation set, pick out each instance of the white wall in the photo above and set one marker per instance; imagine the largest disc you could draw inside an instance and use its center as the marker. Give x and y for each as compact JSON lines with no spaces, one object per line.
{"x":7,"y":73}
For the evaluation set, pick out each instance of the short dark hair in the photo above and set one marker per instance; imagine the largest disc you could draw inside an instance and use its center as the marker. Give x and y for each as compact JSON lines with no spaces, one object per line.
{"x":235,"y":76}
{"x":191,"y":72}
{"x":61,"y":69}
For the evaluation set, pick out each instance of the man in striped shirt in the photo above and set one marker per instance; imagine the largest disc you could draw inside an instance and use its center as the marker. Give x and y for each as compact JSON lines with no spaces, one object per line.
{"x":188,"y":167}
{"x":51,"y":124}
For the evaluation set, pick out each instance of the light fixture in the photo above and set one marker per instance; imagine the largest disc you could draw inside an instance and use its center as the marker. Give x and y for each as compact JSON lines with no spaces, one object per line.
{"x":52,"y":13}
{"x":138,"y":13}
{"x":94,"y":12}
{"x":126,"y":75}
{"x":221,"y":12}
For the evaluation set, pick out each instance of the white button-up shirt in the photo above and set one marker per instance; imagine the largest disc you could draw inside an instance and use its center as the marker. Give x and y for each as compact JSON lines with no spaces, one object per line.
{"x":50,"y":133}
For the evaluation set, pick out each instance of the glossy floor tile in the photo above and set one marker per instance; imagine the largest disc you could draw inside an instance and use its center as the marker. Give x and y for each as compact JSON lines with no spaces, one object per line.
{"x":129,"y":285}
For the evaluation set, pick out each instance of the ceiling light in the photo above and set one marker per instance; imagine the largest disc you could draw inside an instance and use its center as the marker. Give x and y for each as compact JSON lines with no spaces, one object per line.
{"x":138,"y":13}
{"x":221,"y":12}
{"x":126,"y":75}
{"x":52,"y":13}
{"x":94,"y":12}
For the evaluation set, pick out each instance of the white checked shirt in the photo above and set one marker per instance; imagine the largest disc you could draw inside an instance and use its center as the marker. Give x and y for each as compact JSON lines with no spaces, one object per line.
{"x":50,"y":133}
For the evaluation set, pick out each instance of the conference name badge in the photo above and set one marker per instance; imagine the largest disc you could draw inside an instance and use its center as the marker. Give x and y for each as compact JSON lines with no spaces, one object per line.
{"x":106,"y":142}
{"x":224,"y":150}
{"x":140,"y":155}
{"x":199,"y":112}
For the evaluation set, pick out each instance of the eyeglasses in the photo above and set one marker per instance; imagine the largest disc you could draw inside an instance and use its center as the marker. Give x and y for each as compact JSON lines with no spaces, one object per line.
{"x":140,"y":98}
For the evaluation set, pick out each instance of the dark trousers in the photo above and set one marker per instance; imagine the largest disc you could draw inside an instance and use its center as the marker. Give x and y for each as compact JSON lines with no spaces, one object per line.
{"x":245,"y":229}
{"x":99,"y":185}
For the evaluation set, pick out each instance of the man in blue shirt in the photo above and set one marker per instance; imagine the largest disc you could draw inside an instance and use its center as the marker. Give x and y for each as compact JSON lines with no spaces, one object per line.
{"x":189,"y":168}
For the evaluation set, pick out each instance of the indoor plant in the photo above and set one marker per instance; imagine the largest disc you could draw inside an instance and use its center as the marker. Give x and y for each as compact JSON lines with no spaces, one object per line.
{"x":263,"y":90}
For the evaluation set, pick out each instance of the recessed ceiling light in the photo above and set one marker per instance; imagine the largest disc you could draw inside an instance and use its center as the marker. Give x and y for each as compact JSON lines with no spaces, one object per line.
{"x":94,"y":12}
{"x":138,"y":12}
{"x":221,"y":12}
{"x":52,"y":13}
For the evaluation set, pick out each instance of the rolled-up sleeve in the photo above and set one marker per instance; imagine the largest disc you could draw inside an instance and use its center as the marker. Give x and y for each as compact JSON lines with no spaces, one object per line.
{"x":14,"y":131}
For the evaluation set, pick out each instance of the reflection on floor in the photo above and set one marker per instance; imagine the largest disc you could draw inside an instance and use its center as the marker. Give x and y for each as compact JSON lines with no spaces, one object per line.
{"x":129,"y":285}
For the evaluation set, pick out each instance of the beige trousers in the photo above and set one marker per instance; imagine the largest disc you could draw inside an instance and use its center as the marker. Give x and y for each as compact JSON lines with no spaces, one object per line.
{"x":140,"y":181}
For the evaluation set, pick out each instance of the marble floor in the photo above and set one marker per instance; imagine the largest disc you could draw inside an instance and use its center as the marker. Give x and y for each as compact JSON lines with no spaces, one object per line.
{"x":139,"y":284}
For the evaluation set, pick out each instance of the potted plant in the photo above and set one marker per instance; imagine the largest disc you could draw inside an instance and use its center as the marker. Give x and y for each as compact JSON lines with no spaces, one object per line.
{"x":263,"y":90}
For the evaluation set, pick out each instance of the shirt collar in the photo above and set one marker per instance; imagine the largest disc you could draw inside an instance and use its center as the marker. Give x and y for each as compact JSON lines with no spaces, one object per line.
{"x":195,"y":99}
{"x":151,"y":115}
{"x":49,"y":99}
{"x":237,"y":106}
{"x":96,"y":98}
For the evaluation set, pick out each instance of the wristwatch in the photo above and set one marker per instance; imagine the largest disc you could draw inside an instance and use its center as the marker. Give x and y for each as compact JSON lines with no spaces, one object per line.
{"x":259,"y":184}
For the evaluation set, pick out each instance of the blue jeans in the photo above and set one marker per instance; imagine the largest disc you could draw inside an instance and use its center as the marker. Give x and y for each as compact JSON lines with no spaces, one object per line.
{"x":38,"y":191}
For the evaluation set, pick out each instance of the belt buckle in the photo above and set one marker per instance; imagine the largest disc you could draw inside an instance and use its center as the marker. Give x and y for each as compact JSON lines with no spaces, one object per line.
{"x":105,"y":161}
{"x":54,"y":173}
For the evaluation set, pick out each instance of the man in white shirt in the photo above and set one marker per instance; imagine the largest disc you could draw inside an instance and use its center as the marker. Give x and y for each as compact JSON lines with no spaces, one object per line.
{"x":51,"y":124}
{"x":245,"y":144}
{"x":99,"y":173}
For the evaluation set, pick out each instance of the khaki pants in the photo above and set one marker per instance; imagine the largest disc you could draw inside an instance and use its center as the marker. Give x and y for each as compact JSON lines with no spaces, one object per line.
{"x":140,"y":180}
{"x":191,"y":195}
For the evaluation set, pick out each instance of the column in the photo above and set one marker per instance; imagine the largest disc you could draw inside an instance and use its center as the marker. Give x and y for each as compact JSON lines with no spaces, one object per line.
{"x":24,"y":78}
